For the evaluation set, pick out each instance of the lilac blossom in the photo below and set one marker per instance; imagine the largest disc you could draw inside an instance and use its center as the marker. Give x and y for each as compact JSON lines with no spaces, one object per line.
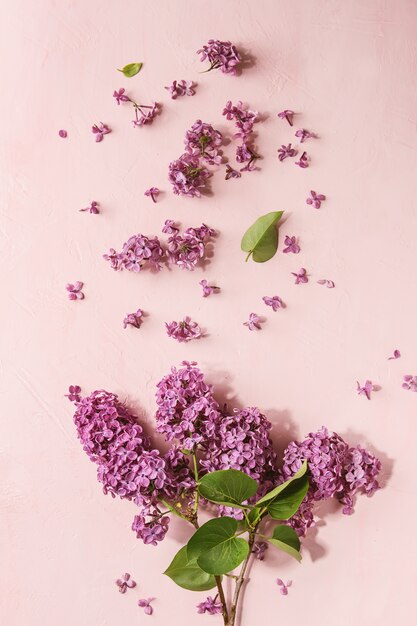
{"x":221,"y":55}
{"x":150,"y":527}
{"x":187,"y":249}
{"x":254,"y":322}
{"x":181,"y":88}
{"x":274,"y":301}
{"x":121,"y":96}
{"x":304,"y":134}
{"x":231,"y":173}
{"x":328,"y":283}
{"x":303,"y":162}
{"x":145,"y":604}
{"x":366,"y":389}
{"x":291,"y":245}
{"x":125,"y":582}
{"x":283,"y":587}
{"x":133,"y":319}
{"x":245,"y":153}
{"x":316,"y":199}
{"x":185,"y":330}
{"x":137,"y":253}
{"x":92,"y":208}
{"x":99,"y":130}
{"x":212,"y":606}
{"x":259,"y":549}
{"x":300,"y":276}
{"x":286,"y":151}
{"x":170,"y":228}
{"x":63,"y":133}
{"x":152,"y":192}
{"x":410,"y":382}
{"x":396,"y":355}
{"x":187,"y":176}
{"x":204,"y":141}
{"x":287,"y":115}
{"x":244,"y":119}
{"x":74,"y":290}
{"x":144,"y":113}
{"x":73,"y":394}
{"x":207,"y":289}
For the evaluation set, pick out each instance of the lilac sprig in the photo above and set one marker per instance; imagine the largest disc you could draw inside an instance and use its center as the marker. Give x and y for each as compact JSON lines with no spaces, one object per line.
{"x":187,"y":249}
{"x":204,"y":141}
{"x":244,"y":119}
{"x":221,"y":55}
{"x":185,"y":330}
{"x":410,"y":382}
{"x":137,"y":253}
{"x":144,"y":114}
{"x":187,"y":176}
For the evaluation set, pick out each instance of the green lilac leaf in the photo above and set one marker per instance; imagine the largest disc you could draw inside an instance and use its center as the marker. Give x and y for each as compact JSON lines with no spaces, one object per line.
{"x":261,"y":239}
{"x":286,"y":539}
{"x":228,"y":487}
{"x":287,"y":503}
{"x":216,"y":548}
{"x":131,"y":69}
{"x":277,"y":490}
{"x":188,"y":574}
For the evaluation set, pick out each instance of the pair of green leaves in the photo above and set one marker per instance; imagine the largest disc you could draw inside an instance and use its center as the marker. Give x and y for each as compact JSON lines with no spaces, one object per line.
{"x":261,"y":240}
{"x":131,"y":69}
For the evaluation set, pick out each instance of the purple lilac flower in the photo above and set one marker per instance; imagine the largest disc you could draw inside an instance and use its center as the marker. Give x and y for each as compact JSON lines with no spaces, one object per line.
{"x":366,"y":389}
{"x":259,"y":549}
{"x":137,"y":253}
{"x":396,"y":355}
{"x":121,"y":96}
{"x":74,"y":290}
{"x":187,"y":176}
{"x":283,"y":587}
{"x":286,"y":151}
{"x":221,"y":55}
{"x":231,"y":173}
{"x":73,"y":394}
{"x":63,"y":133}
{"x":150,"y":527}
{"x":207,"y":289}
{"x":144,"y":114}
{"x":254,"y":322}
{"x":212,"y":606}
{"x":184,"y":330}
{"x":300,"y":276}
{"x":304,"y":134}
{"x":125,"y":582}
{"x":244,"y":119}
{"x":169,"y":227}
{"x":188,"y":248}
{"x":152,"y":192}
{"x":410,"y":382}
{"x":303,"y":162}
{"x":145,"y":604}
{"x":275,"y":302}
{"x":287,"y":115}
{"x":204,"y":141}
{"x":245,"y":153}
{"x":316,"y":199}
{"x":291,"y":245}
{"x":133,"y":319}
{"x":99,"y":130}
{"x":181,"y":88}
{"x":328,"y":283}
{"x":93,"y":208}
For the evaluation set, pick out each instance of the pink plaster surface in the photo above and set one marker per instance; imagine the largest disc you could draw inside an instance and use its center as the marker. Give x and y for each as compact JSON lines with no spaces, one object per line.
{"x":349,"y":70}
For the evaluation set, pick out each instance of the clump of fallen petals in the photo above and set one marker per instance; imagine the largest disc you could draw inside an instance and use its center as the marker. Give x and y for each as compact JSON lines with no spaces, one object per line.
{"x":133,"y":319}
{"x":137,"y":253}
{"x":208,"y":290}
{"x":185,"y":330}
{"x":286,"y":151}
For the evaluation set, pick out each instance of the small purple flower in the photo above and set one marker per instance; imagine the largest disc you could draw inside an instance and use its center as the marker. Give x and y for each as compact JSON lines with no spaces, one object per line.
{"x":274,"y":301}
{"x":329,"y":283}
{"x":207,"y":289}
{"x":304,"y":134}
{"x":410,"y":382}
{"x":286,"y":151}
{"x":125,"y":582}
{"x":188,"y":176}
{"x":300,"y":276}
{"x":137,"y":253}
{"x":254,"y":322}
{"x":396,"y":355}
{"x":73,"y":394}
{"x":181,"y":88}
{"x":152,"y":192}
{"x":366,"y":389}
{"x":316,"y":199}
{"x":169,"y":227}
{"x":231,"y":173}
{"x":121,"y":96}
{"x":93,"y":208}
{"x":63,"y":133}
{"x":74,"y":290}
{"x":221,"y":55}
{"x":287,"y":115}
{"x":291,"y":245}
{"x":99,"y":130}
{"x":145,"y":114}
{"x":133,"y":319}
{"x":259,"y":549}
{"x":303,"y":162}
{"x":212,"y":606}
{"x":284,"y":587}
{"x":145,"y":604}
{"x":184,"y":330}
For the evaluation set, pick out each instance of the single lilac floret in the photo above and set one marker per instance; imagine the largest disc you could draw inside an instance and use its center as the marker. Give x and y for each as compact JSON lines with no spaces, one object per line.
{"x":304,"y":161}
{"x":133,"y":319}
{"x":286,"y":151}
{"x":125,"y":583}
{"x":212,"y":606}
{"x":275,"y":302}
{"x":287,"y":115}
{"x":145,"y":604}
{"x":316,"y":199}
{"x":396,"y":355}
{"x":92,"y":208}
{"x":366,"y":389}
{"x":152,"y":192}
{"x":304,"y":134}
{"x":208,"y":289}
{"x":75,"y":290}
{"x":99,"y":130}
{"x":254,"y":322}
{"x":187,"y":176}
{"x":300,"y":276}
{"x":291,"y":245}
{"x":283,"y":587}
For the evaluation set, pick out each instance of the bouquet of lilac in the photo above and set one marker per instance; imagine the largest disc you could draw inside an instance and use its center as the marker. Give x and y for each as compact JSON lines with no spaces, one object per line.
{"x":224,"y":462}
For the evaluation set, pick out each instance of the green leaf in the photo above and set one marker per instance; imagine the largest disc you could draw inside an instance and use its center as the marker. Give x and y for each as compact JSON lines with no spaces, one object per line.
{"x":288,"y":502}
{"x":216,"y":548}
{"x":228,"y":487}
{"x":187,"y":574}
{"x":131,"y":69}
{"x":286,"y":539}
{"x":261,"y":239}
{"x":275,"y":492}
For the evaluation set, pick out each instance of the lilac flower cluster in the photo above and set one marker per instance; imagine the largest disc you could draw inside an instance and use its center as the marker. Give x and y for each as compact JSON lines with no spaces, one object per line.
{"x":144,"y":114}
{"x":211,"y":605}
{"x":221,"y":55}
{"x":133,"y":319}
{"x":244,"y":120}
{"x":187,"y":176}
{"x":335,"y":470}
{"x":188,"y":248}
{"x":137,"y":253}
{"x":185,"y":330}
{"x":204,"y":141}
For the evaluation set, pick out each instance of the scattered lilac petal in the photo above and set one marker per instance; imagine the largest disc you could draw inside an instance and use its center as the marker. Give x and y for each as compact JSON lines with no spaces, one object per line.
{"x":63,"y":133}
{"x":300,"y":276}
{"x":152,"y":192}
{"x":284,"y":587}
{"x":212,"y":606}
{"x":410,"y":383}
{"x":286,"y":151}
{"x":254,"y":322}
{"x":324,"y":281}
{"x":92,"y":208}
{"x":259,"y":549}
{"x":396,"y":355}
{"x":303,"y":162}
{"x":74,"y":290}
{"x":125,"y":582}
{"x":73,"y":394}
{"x":145,"y":604}
{"x":184,"y":330}
{"x":316,"y":199}
{"x":304,"y":134}
{"x":287,"y":115}
{"x":99,"y":130}
{"x":207,"y":289}
{"x":366,"y":389}
{"x":231,"y":173}
{"x":181,"y":88}
{"x":291,"y":245}
{"x":274,"y":301}
{"x":133,"y":319}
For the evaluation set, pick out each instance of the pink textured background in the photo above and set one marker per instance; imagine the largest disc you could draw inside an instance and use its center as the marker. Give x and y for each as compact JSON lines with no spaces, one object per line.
{"x":349,"y":69}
